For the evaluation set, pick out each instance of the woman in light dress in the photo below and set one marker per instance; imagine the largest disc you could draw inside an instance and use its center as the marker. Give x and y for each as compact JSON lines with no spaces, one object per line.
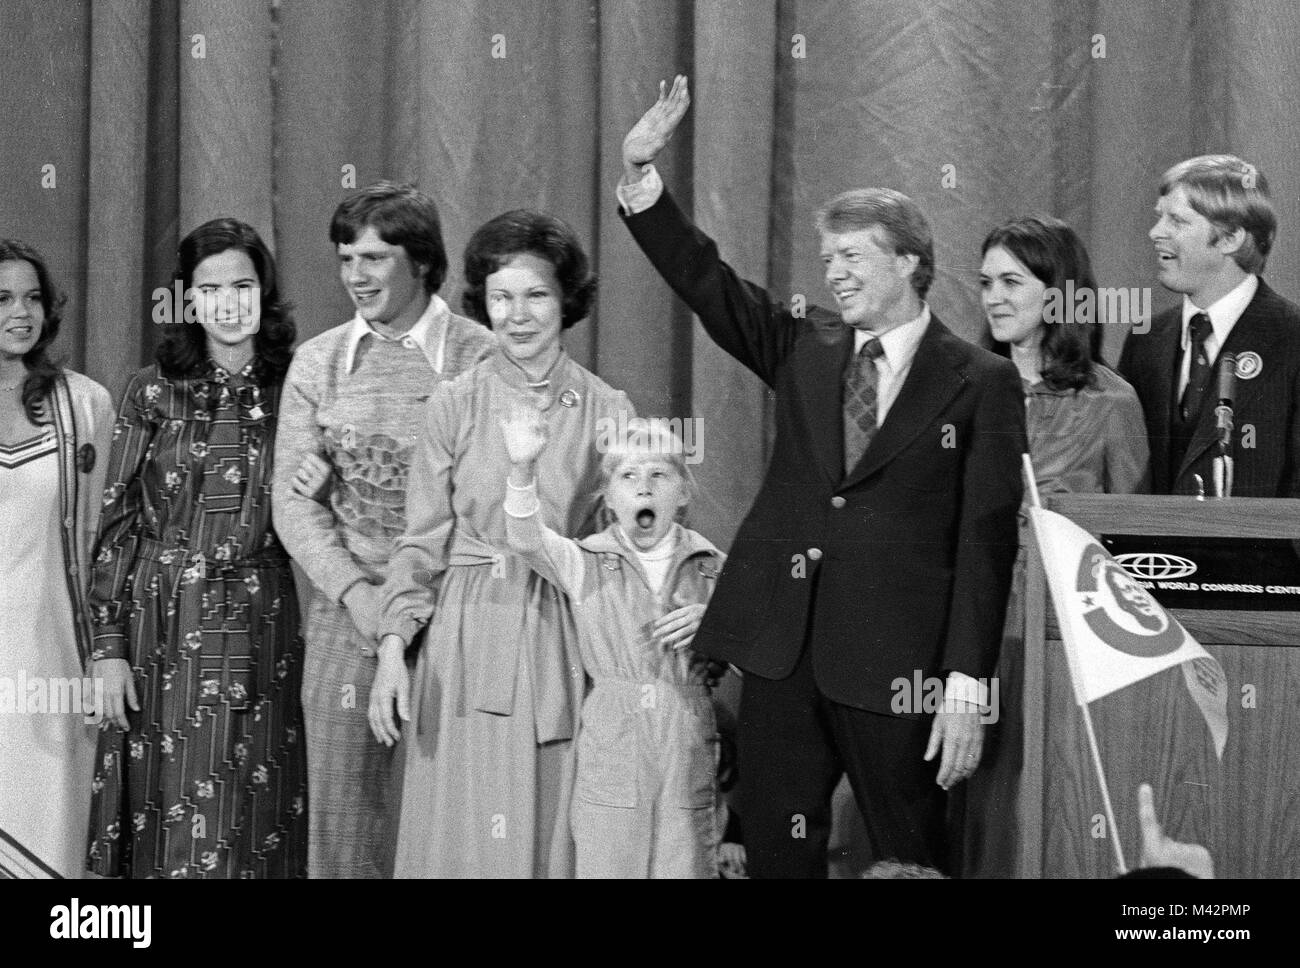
{"x":54,"y":433}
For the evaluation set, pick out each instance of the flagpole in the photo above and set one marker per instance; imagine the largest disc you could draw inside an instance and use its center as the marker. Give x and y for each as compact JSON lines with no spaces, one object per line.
{"x":1105,"y":792}
{"x":1031,"y":481}
{"x":1031,"y":491}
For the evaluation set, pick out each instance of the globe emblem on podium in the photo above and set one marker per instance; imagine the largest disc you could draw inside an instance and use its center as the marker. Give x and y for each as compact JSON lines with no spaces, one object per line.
{"x":1156,"y":566}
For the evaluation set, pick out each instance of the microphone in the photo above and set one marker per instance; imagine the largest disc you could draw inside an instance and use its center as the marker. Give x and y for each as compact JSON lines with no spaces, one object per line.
{"x":1227,"y":392}
{"x":1223,"y":469}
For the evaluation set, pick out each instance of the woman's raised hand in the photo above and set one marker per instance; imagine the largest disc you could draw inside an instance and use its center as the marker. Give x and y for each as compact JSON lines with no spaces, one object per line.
{"x":649,"y":135}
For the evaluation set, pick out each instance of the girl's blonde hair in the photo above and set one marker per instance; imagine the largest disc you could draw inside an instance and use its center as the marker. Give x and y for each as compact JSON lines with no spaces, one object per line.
{"x":645,"y":437}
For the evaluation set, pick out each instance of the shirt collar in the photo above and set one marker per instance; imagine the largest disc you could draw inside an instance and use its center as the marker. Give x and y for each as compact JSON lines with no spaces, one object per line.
{"x":1224,"y":312}
{"x":429,"y":333}
{"x":561,"y":386}
{"x":899,"y":343}
{"x":687,"y":544}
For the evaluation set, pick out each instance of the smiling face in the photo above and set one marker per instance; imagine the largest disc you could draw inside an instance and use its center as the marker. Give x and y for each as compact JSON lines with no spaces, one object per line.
{"x":1013,"y":298}
{"x":645,"y":492}
{"x":386,"y":286}
{"x":524,"y":304}
{"x":22,"y":314}
{"x":1189,"y":259}
{"x":872,"y":284}
{"x":228,"y":297}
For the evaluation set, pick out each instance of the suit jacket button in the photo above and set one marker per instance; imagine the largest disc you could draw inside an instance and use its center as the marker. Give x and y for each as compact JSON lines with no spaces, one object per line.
{"x":838,"y":502}
{"x":814,"y":554}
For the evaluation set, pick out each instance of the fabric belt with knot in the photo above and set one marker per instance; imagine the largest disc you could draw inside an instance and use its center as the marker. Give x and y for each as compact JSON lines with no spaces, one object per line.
{"x":505,"y":622}
{"x":215,"y":635}
{"x":150,"y":549}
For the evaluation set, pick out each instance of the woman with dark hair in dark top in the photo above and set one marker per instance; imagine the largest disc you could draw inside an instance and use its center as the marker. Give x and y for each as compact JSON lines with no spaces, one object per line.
{"x":201,"y":767}
{"x":1086,"y":431}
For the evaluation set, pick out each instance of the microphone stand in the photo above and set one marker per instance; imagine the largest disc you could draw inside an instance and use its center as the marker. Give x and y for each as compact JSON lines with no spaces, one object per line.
{"x":1223,"y":418}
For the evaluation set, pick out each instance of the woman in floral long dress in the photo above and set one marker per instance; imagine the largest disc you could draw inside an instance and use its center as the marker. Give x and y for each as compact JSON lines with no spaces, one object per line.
{"x":200,"y":771}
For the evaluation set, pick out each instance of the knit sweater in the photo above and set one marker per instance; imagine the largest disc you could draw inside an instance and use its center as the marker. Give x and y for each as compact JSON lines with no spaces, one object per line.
{"x":364,"y":423}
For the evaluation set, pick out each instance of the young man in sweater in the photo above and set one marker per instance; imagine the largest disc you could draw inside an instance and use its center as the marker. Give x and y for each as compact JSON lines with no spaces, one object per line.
{"x":352,"y":400}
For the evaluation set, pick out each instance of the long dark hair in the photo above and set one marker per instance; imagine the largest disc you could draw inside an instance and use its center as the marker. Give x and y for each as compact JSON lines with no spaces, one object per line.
{"x":183,"y":351}
{"x":42,"y":372}
{"x":1054,"y":253}
{"x":521,"y":231}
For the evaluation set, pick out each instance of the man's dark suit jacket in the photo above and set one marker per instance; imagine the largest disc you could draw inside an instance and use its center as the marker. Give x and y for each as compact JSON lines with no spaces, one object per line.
{"x":911,"y":553}
{"x":1267,"y":407}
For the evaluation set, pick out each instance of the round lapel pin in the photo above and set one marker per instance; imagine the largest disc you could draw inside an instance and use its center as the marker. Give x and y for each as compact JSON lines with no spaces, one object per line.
{"x":570,"y":398}
{"x":1249,"y":365}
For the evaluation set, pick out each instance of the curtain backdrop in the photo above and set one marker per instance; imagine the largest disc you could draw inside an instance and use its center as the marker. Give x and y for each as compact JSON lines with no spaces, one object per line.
{"x":126,"y":123}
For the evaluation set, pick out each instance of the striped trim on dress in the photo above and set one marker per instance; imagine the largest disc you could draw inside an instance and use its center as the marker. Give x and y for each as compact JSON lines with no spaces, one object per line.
{"x":26,"y":451}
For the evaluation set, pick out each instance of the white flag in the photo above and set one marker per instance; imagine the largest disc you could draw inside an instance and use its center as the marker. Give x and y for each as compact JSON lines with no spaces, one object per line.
{"x":1115,"y":633}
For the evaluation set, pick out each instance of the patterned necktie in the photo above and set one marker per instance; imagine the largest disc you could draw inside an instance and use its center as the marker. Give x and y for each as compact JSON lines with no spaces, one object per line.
{"x":860,"y":384}
{"x":1198,"y":372}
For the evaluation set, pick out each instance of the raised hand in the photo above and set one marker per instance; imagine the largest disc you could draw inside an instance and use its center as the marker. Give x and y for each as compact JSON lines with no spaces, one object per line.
{"x":525,"y":433}
{"x":650,"y":134}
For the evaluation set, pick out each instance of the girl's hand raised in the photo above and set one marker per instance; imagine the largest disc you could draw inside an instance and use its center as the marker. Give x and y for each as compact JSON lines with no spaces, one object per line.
{"x":525,"y":433}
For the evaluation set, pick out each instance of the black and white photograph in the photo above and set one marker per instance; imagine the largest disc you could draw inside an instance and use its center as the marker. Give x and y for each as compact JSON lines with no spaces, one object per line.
{"x":675,"y":439}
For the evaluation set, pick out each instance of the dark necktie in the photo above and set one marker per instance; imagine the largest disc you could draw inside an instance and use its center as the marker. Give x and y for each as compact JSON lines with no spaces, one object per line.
{"x":860,"y":384}
{"x":1198,"y":372}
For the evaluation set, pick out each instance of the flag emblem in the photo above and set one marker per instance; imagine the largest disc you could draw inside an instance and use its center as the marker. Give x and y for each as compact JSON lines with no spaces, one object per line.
{"x":1120,"y":611}
{"x":1114,"y":632}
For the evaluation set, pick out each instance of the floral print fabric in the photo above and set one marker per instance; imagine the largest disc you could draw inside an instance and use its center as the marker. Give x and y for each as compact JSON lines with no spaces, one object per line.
{"x":192,"y":588}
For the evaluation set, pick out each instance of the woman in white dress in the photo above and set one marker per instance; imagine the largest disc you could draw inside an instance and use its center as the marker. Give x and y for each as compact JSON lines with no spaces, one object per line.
{"x":54,"y":435}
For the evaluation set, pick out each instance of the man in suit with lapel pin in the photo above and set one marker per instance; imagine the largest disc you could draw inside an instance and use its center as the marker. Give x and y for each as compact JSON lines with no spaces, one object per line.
{"x":1213,"y":233}
{"x":878,"y":554}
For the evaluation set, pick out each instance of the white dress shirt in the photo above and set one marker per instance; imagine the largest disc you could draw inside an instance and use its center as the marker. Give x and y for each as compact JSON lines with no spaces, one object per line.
{"x":892,"y":367}
{"x":429,"y":333}
{"x":1223,"y":314}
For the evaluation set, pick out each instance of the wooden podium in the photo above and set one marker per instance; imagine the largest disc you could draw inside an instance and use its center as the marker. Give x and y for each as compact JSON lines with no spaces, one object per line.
{"x":1035,"y":808}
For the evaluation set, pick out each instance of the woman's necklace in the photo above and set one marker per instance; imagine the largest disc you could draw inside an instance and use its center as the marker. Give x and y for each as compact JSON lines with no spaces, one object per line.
{"x":234,"y":359}
{"x":542,"y":387}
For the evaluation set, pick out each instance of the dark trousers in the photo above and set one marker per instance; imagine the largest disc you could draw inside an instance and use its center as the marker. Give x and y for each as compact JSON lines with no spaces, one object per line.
{"x":795,"y":744}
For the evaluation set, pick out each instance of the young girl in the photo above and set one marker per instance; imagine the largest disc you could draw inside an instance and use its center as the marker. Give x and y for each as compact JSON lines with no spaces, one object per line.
{"x":644,"y":798}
